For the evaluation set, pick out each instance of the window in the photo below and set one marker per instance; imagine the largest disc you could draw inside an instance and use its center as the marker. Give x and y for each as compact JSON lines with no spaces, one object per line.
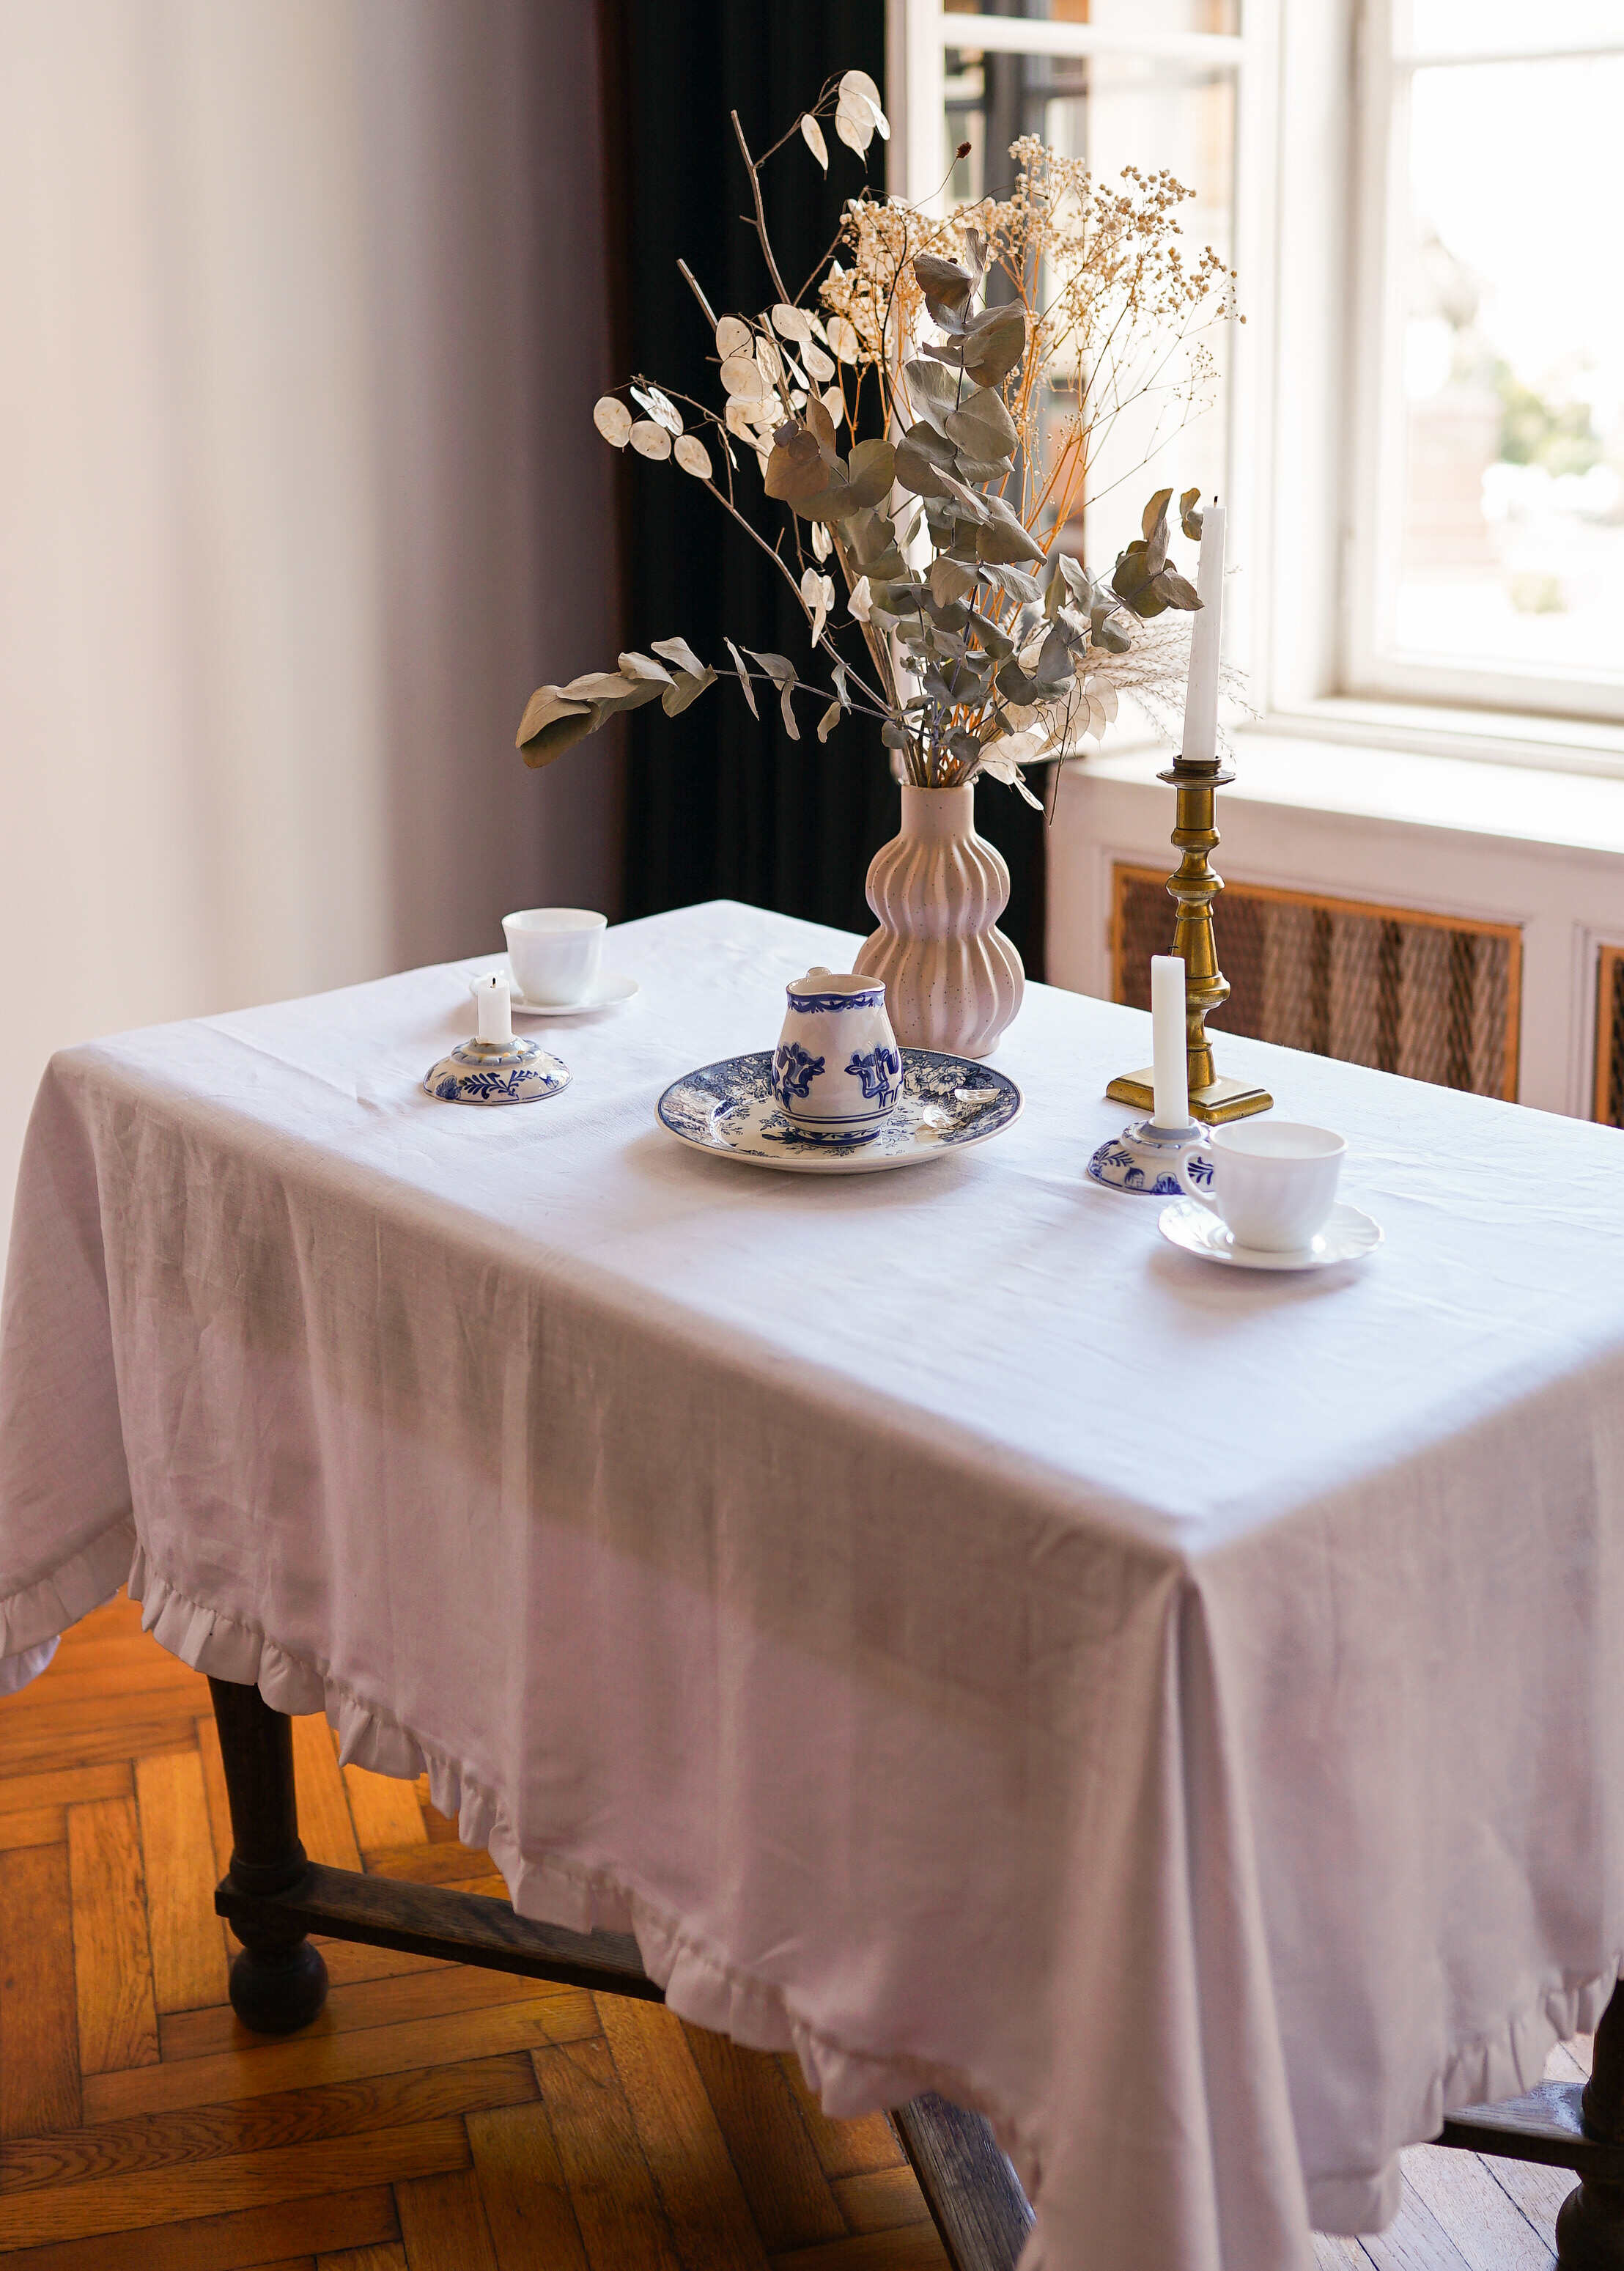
{"x":1148,"y":83}
{"x":1420,"y":431}
{"x":1488,"y":555}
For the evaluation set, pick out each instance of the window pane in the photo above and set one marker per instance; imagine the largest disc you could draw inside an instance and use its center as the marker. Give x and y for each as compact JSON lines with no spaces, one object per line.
{"x":1512,"y":547}
{"x":1488,"y":27}
{"x":1120,"y":15}
{"x":1112,"y":111}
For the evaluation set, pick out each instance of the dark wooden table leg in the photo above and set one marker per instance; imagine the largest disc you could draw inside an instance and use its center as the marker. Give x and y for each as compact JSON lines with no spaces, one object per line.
{"x":1590,"y":2224}
{"x":278,"y":1983}
{"x":974,"y":2196}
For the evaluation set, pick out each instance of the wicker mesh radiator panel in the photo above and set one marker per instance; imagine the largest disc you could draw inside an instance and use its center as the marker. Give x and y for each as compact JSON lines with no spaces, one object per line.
{"x":1610,"y":1039}
{"x":1421,"y":994}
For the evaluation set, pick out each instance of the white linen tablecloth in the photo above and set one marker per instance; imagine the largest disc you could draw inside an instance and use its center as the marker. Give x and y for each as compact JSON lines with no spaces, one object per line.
{"x":1178,"y":1711}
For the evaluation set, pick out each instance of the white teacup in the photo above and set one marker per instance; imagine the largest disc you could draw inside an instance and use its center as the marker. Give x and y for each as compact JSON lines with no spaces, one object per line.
{"x":1272,"y":1181}
{"x":836,"y":1069}
{"x":555,"y":953}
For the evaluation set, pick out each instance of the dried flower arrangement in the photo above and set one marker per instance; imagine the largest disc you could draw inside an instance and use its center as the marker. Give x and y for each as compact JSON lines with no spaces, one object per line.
{"x":988,"y":354}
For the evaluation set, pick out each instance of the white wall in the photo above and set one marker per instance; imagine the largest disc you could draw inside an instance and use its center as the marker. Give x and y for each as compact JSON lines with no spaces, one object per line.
{"x":304,"y":315}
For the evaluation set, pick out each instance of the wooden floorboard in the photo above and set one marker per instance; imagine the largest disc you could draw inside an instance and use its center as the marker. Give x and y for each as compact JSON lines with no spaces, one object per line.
{"x":38,"y":2026}
{"x":443,"y":2225}
{"x":189,"y":1953}
{"x":681,"y":2138}
{"x":112,"y":1952}
{"x":436,"y":2117}
{"x":64,"y":1786}
{"x":232,"y":2181}
{"x":527,"y":2203}
{"x":303,"y":2061}
{"x":255,"y":2125}
{"x":292,"y":2230}
{"x":793,"y":2203}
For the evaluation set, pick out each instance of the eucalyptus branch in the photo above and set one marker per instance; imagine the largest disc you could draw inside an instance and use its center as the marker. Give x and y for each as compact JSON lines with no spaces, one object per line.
{"x":826,"y":694}
{"x":783,"y":566}
{"x":879,"y":652}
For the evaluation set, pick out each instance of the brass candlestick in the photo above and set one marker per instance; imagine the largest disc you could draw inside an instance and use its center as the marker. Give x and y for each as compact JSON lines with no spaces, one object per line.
{"x":1195,"y":886}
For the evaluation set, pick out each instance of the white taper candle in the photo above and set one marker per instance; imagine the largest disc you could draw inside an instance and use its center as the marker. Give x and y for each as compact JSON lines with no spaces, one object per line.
{"x":1205,"y":637}
{"x":493,"y":997}
{"x":1171,"y":1076}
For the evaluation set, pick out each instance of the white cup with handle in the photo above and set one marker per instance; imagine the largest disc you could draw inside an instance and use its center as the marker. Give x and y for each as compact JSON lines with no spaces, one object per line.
{"x":1273,"y":1182}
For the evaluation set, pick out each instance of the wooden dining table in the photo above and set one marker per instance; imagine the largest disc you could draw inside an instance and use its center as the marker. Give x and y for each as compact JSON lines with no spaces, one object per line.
{"x":1155,"y":1728}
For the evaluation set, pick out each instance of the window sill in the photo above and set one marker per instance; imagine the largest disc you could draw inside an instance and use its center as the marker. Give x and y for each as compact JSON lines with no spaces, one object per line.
{"x":1496,"y":737}
{"x":1529,"y":804}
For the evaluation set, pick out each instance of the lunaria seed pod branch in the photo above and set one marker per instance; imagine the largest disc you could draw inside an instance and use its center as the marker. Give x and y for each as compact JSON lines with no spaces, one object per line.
{"x":928,"y":413}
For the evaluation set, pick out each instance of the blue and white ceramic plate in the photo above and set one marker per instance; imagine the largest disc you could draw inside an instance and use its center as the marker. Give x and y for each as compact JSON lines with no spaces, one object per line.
{"x":947,"y":1105}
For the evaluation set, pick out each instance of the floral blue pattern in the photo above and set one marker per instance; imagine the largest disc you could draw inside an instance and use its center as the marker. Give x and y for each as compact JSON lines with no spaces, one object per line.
{"x":793,"y":1069}
{"x":872,"y":998}
{"x":487,"y":1085}
{"x":880,"y":1071}
{"x":1142,"y":1159}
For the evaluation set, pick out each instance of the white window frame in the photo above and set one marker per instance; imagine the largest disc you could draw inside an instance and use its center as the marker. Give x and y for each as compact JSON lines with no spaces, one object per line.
{"x":1310,"y":469}
{"x":1387,"y":66}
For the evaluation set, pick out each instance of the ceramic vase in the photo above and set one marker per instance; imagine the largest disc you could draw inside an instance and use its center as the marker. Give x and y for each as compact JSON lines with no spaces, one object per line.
{"x":953,"y":979}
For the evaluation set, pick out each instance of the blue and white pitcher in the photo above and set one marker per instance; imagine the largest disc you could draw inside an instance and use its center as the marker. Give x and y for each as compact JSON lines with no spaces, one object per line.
{"x":836,"y":1069}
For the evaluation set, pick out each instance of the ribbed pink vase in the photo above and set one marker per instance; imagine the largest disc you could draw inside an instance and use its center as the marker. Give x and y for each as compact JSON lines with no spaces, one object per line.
{"x":953,"y":979}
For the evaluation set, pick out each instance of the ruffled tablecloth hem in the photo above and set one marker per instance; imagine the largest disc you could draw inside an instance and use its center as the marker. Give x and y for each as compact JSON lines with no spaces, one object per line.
{"x":15,"y":1672}
{"x":1509,"y":2063}
{"x":699,"y":1985}
{"x":32,"y":1619}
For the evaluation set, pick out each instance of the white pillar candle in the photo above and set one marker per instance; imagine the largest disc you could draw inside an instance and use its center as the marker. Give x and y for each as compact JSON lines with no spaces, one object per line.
{"x":1171,"y":1076}
{"x":493,"y":996}
{"x":1205,"y":637}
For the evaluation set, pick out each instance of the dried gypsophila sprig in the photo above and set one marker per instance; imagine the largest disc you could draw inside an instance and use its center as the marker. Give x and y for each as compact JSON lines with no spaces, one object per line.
{"x":1002,"y":647}
{"x":1113,"y":307}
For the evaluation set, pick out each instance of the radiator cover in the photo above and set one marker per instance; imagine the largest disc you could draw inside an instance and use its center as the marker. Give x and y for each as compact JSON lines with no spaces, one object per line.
{"x":1434,"y":997}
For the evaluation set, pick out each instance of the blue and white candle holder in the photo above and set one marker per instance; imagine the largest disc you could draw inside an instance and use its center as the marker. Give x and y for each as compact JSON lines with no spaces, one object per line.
{"x":496,"y":1072}
{"x":1143,"y":1159}
{"x":496,"y":1067}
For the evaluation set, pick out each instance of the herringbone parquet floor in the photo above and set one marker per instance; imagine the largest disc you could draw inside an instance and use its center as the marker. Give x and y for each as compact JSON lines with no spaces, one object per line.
{"x":436,"y":2118}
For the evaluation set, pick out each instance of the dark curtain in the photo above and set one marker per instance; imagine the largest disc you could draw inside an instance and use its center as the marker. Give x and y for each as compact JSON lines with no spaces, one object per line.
{"x":717,"y":804}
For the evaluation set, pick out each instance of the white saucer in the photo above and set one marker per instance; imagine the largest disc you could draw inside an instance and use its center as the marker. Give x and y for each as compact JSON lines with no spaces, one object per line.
{"x":612,"y":988}
{"x":1346,"y":1236}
